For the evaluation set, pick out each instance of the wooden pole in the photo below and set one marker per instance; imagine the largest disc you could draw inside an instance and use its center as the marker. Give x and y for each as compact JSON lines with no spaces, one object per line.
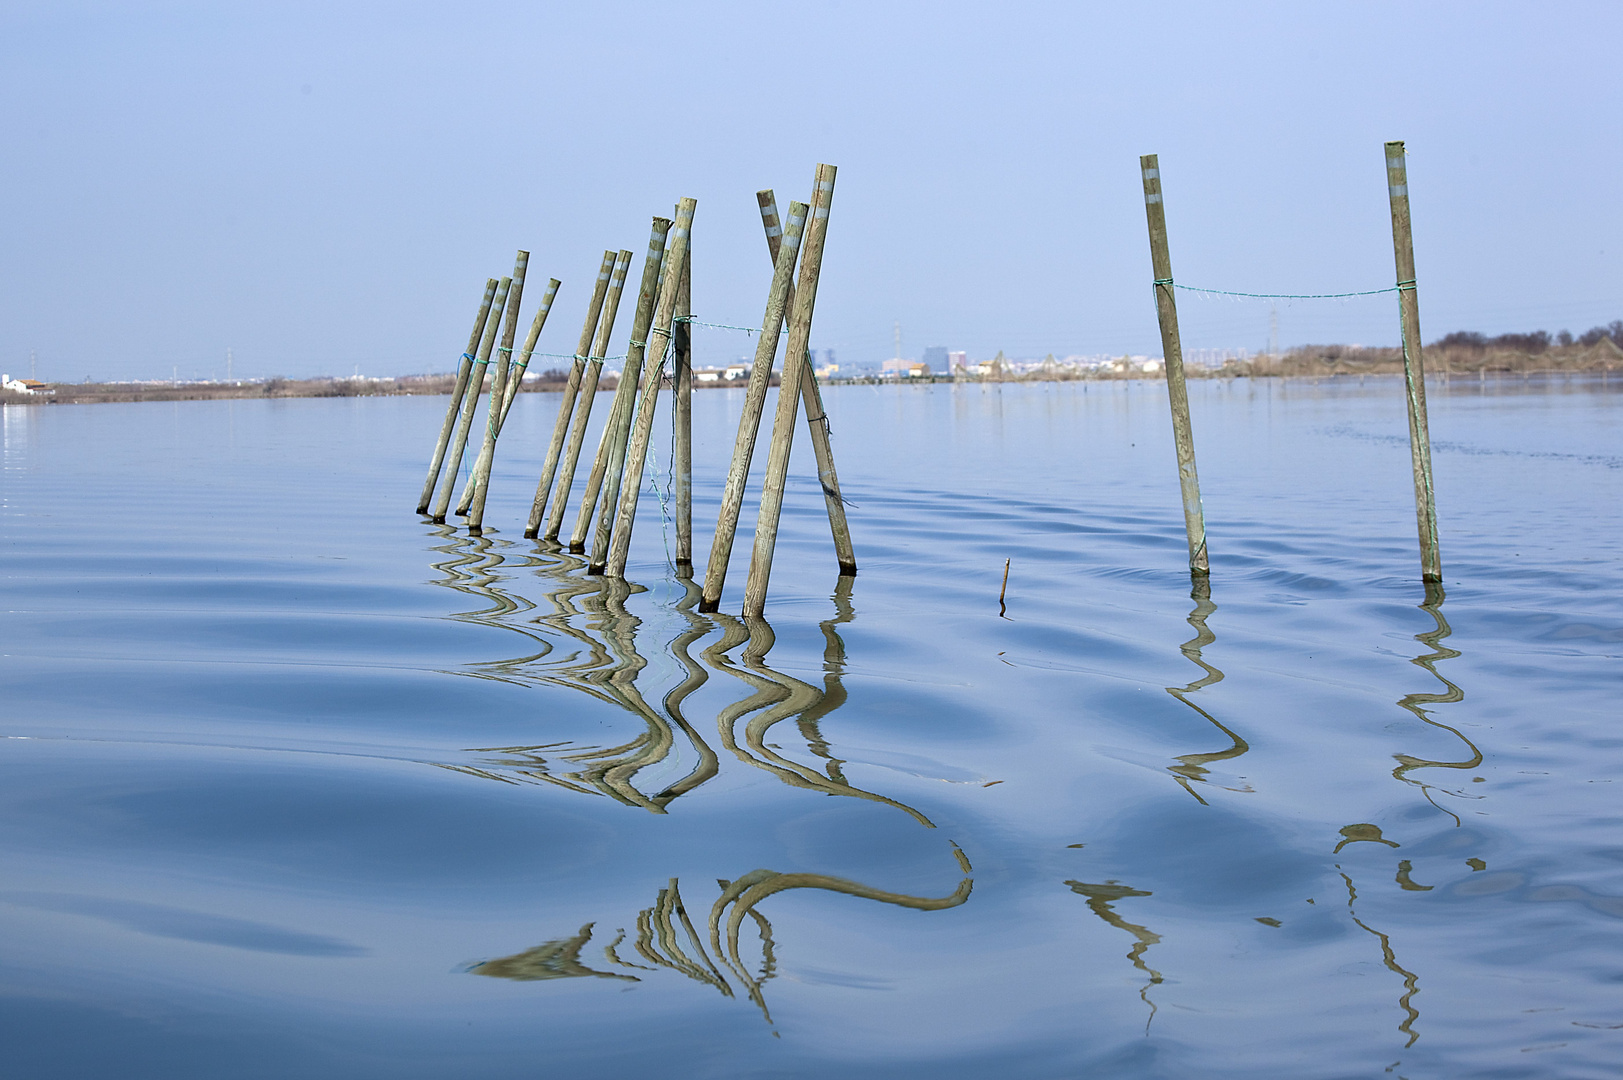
{"x":816,"y":416}
{"x":682,"y":418}
{"x":560,"y":427}
{"x":1414,"y":368}
{"x":783,"y":425}
{"x":498,"y":386}
{"x":588,"y":395}
{"x":611,"y":444}
{"x":470,"y":403}
{"x":463,"y":368}
{"x":766,"y":349}
{"x":523,"y":362}
{"x":476,"y":515}
{"x":1166,"y":309}
{"x":619,"y":541}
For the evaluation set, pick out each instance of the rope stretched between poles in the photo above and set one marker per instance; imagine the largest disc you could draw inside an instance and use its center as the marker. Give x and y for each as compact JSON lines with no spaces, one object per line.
{"x":1399,"y":287}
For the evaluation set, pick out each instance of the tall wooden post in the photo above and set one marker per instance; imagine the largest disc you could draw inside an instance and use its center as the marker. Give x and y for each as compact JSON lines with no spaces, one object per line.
{"x":1414,"y":368}
{"x":522,"y":363}
{"x":783,"y":425}
{"x":766,"y":350}
{"x":1166,"y":308}
{"x":560,"y":427}
{"x":498,"y":386}
{"x":619,"y":540}
{"x":611,"y":444}
{"x":811,"y":396}
{"x":463,"y":368}
{"x":682,"y":418}
{"x":588,"y":395}
{"x":470,"y":404}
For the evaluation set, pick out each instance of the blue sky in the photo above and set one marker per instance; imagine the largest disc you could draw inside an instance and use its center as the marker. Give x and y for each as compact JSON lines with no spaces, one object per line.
{"x":324,"y":186}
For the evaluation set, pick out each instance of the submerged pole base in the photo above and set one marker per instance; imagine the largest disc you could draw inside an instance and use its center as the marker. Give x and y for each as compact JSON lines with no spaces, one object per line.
{"x":423,"y":509}
{"x":440,"y":520}
{"x":848,"y":569}
{"x":529,"y":534}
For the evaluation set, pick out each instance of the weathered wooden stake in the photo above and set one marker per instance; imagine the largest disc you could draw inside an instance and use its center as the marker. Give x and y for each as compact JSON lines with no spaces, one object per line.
{"x":462,"y":370}
{"x":470,"y":403}
{"x":498,"y":417}
{"x":811,"y":396}
{"x":783,"y":426}
{"x":523,"y":362}
{"x":1414,"y":368}
{"x":766,"y":350}
{"x":682,"y":417}
{"x":1166,"y":308}
{"x":498,"y":386}
{"x":560,"y":427}
{"x":611,"y":444}
{"x":619,"y":541}
{"x":588,"y":394}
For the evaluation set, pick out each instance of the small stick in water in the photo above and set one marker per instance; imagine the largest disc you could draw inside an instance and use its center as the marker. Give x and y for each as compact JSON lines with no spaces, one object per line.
{"x":1001,"y":608}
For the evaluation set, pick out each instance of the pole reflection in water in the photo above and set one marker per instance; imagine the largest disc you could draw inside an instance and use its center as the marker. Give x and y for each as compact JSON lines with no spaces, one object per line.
{"x":1415,"y":703}
{"x":1411,"y":981}
{"x":588,"y":641}
{"x":1369,"y":833}
{"x":1100,"y":898}
{"x":1191,"y":768}
{"x":667,"y":938}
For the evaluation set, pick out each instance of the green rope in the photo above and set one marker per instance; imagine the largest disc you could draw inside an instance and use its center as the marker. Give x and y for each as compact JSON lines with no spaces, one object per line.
{"x":578,"y":356}
{"x":1288,"y":296}
{"x":719,"y":326}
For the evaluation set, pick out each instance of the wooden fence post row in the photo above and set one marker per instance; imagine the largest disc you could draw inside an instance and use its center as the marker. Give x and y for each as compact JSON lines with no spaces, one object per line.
{"x":463,"y":368}
{"x":560,"y":429}
{"x":1414,"y":370}
{"x":662,"y":322}
{"x":611,"y":445}
{"x":783,"y":424}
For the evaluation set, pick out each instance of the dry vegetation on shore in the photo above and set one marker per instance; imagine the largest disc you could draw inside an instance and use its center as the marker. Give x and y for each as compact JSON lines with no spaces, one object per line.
{"x":1600,"y":349}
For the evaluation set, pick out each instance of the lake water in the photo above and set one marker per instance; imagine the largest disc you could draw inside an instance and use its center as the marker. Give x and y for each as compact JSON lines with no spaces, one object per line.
{"x":294,"y":784}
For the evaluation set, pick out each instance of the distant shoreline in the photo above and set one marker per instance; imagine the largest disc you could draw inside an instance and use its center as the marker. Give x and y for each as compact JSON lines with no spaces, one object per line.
{"x":1304,"y":363}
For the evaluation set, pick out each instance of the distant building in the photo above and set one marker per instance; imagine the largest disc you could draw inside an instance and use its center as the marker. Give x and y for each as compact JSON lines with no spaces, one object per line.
{"x":828,"y":371}
{"x":918,"y":371}
{"x":897,"y":366}
{"x":736,"y":371}
{"x":23,"y":386}
{"x":707,"y":374}
{"x":935,"y":358}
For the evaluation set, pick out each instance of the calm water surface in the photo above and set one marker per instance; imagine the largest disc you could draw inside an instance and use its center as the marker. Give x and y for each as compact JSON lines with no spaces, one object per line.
{"x":293,"y":784}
